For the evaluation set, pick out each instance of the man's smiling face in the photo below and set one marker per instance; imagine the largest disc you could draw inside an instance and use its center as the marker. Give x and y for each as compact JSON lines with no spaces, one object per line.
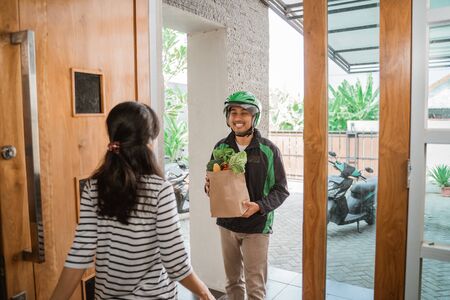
{"x":239,"y":119}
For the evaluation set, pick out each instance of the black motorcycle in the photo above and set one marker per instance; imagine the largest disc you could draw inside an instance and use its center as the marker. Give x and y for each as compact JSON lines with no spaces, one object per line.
{"x":344,"y":206}
{"x":177,"y":173}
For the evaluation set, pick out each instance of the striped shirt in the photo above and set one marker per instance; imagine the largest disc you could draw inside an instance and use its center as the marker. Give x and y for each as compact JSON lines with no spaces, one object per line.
{"x":138,"y":260}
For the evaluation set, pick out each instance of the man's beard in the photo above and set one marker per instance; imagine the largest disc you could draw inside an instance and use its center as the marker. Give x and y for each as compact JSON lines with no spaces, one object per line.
{"x":244,"y":133}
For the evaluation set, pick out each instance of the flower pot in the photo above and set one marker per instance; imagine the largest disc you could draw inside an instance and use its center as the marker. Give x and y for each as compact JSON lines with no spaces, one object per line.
{"x":445,"y":191}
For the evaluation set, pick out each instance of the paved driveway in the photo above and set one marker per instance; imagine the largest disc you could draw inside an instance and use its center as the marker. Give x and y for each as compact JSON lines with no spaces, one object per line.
{"x":350,"y":255}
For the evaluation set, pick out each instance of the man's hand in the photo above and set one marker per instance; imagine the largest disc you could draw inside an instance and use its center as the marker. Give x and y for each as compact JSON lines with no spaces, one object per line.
{"x":206,"y":185}
{"x":250,"y":208}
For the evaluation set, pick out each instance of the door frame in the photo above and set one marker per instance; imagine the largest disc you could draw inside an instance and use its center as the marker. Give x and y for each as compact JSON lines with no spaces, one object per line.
{"x":394,"y":148}
{"x":421,"y":136}
{"x":156,"y":80}
{"x":315,"y":144}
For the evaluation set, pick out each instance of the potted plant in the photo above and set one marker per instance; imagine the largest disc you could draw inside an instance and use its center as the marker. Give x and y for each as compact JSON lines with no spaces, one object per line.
{"x":440,"y":175}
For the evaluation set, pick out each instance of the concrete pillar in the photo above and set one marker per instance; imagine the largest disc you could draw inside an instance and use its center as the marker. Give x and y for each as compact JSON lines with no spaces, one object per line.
{"x":207,"y":89}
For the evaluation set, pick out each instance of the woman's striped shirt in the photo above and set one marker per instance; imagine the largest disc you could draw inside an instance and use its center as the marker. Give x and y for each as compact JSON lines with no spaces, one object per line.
{"x":138,"y":260}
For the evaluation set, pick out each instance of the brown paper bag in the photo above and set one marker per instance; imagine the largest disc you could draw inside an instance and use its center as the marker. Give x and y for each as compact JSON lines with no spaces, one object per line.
{"x":227,"y":192}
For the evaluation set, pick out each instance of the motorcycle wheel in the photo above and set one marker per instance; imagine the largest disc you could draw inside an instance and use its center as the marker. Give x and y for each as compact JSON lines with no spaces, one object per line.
{"x":370,"y":219}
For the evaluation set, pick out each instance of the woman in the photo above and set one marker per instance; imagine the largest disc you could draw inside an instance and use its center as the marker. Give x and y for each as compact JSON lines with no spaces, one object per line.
{"x":128,"y":220}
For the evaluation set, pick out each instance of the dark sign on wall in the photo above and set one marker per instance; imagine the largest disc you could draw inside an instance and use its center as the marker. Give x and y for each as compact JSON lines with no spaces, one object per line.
{"x":87,"y":92}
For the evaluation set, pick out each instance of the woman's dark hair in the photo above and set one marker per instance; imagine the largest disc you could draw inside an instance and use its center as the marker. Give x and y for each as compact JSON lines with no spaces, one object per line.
{"x":131,"y":127}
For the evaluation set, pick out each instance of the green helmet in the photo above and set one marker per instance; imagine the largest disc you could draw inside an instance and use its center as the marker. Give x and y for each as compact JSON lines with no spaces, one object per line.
{"x":247,"y":101}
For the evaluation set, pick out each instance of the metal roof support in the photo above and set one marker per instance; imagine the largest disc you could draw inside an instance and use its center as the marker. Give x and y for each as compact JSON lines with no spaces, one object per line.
{"x":293,"y":15}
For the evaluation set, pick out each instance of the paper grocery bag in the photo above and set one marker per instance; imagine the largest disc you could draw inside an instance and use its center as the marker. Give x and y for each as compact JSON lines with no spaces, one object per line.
{"x":227,"y":192}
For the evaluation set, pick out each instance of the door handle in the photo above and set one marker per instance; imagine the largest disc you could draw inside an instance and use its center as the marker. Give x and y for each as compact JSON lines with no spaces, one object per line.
{"x":31,"y":132}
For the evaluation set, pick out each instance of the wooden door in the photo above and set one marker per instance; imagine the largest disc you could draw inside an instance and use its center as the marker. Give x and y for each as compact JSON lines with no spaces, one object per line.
{"x":104,"y":40}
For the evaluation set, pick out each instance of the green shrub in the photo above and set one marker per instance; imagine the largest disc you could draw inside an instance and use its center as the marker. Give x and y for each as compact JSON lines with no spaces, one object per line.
{"x":440,"y":175}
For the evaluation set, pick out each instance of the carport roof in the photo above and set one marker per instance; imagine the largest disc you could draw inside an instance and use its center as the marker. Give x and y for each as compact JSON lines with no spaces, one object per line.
{"x":353,"y":32}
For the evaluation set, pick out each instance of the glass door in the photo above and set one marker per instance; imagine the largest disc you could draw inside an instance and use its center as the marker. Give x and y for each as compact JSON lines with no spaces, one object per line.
{"x":353,"y":138}
{"x":428,"y":252}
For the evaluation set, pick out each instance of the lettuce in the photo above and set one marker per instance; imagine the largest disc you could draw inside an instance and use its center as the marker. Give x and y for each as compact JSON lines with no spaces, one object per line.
{"x":223,"y":152}
{"x":237,"y":162}
{"x":225,"y":156}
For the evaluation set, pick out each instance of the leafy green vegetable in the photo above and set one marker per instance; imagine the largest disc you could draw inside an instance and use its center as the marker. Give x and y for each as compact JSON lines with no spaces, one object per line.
{"x":223,"y":152}
{"x":237,"y":162}
{"x":226,"y":158}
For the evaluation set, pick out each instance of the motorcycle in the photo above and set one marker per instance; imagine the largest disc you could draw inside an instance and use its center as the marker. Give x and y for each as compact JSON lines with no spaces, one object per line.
{"x":350,"y":200}
{"x":177,"y":173}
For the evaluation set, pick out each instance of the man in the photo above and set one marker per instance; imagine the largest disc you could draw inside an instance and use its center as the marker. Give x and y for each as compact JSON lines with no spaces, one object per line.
{"x":245,"y":240}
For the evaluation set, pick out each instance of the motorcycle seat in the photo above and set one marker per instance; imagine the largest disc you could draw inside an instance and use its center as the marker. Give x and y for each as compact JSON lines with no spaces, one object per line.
{"x":362,"y":188}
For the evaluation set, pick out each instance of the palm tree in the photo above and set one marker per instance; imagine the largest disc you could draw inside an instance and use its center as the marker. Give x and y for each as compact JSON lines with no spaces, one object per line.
{"x":351,"y":102}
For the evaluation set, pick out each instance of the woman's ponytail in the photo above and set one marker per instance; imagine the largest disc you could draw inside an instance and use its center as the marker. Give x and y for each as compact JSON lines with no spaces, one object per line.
{"x":131,"y":126}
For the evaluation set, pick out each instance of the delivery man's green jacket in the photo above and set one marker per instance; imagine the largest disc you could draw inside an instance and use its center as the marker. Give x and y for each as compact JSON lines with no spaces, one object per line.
{"x":266,"y":184}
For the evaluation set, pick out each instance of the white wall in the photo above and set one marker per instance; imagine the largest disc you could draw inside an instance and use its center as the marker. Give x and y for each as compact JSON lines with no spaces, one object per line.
{"x":207,"y":87}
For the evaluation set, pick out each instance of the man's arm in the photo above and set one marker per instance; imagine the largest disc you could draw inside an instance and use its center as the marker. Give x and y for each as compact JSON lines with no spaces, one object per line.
{"x":278,"y":192}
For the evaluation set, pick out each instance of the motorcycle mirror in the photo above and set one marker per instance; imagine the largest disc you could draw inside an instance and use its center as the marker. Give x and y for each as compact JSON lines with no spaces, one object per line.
{"x":369,"y":170}
{"x":332,"y":153}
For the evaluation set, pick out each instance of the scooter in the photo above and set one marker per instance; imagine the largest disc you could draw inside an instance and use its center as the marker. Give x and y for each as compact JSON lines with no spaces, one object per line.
{"x":344,"y":206}
{"x":177,"y":173}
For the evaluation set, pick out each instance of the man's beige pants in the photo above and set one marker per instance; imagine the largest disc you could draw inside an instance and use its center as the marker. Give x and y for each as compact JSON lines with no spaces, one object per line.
{"x":245,"y":260}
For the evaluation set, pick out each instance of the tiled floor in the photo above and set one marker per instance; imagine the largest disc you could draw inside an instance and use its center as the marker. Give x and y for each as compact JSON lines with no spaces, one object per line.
{"x":286,"y":285}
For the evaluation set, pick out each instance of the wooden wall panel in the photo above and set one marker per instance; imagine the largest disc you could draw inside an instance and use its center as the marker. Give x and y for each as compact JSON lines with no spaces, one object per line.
{"x":315,"y":147}
{"x":395,"y":91}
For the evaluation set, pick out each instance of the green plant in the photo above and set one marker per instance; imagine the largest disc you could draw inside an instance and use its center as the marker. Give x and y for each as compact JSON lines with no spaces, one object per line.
{"x":175,"y":139}
{"x":351,"y":102}
{"x":286,"y":113}
{"x":440,"y":175}
{"x":174,"y":54}
{"x":175,"y":129}
{"x":175,"y":101}
{"x":175,"y":105}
